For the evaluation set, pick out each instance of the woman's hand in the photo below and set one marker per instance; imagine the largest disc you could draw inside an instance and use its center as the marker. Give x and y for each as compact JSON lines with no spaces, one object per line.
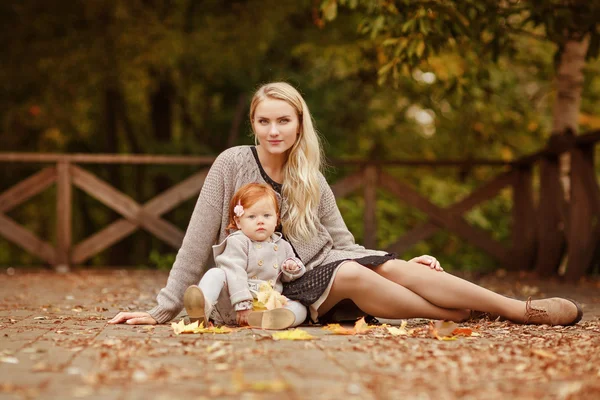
{"x":430,"y":261}
{"x":242,"y":317}
{"x":133,"y":318}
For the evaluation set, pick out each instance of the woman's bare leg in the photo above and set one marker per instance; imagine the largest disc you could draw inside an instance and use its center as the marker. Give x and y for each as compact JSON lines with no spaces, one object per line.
{"x":381,"y":297}
{"x":449,"y":291}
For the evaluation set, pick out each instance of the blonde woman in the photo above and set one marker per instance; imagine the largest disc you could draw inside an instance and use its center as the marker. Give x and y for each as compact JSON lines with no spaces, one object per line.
{"x":288,"y":156}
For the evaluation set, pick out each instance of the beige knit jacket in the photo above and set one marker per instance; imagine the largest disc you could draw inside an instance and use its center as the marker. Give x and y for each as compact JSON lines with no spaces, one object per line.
{"x":231,"y":170}
{"x":248,"y":264}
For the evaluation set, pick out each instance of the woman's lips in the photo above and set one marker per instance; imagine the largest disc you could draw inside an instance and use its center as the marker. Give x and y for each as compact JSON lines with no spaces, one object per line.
{"x":275,"y":141}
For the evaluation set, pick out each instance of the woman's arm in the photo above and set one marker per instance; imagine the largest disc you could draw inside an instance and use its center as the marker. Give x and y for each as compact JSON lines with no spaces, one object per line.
{"x":191,"y":263}
{"x":194,"y":257}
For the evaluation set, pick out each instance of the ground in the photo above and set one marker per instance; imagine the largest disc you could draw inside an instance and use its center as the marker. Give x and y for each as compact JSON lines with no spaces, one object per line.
{"x":55,"y":344}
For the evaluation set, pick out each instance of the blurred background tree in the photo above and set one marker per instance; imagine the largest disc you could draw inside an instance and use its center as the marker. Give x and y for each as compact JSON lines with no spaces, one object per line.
{"x":175,"y":77}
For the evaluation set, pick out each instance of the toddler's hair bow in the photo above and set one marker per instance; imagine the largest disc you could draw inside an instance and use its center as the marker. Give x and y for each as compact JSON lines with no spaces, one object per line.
{"x":238,"y":210}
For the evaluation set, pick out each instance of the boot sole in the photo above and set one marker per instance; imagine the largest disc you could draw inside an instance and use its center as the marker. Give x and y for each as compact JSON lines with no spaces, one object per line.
{"x":279,"y":318}
{"x":193,"y":301}
{"x":579,"y":313}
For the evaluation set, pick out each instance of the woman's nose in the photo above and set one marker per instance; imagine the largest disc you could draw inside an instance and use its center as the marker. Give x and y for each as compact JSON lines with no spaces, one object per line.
{"x":274,"y":130}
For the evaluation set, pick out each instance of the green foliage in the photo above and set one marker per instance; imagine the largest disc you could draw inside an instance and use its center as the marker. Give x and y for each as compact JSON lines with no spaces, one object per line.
{"x":161,"y":261}
{"x":171,"y":77}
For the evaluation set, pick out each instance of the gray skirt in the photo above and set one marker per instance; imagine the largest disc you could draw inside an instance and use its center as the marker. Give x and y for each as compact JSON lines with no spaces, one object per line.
{"x":311,"y":286}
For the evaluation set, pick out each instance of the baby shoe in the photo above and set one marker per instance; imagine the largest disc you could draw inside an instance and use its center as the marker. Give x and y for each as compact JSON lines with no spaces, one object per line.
{"x":195,"y":305}
{"x":278,"y":318}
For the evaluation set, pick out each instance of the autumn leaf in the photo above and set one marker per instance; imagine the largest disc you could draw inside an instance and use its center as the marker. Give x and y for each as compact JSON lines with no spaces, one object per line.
{"x":337,"y":329}
{"x":462,"y":332}
{"x":544,"y":354}
{"x":294,"y":334}
{"x":213,"y":329}
{"x":240,"y":384}
{"x":276,"y":385}
{"x":441,"y":330}
{"x":180,"y":327}
{"x":359,"y":327}
{"x":445,"y":328}
{"x":268,"y":298}
{"x":401,"y":331}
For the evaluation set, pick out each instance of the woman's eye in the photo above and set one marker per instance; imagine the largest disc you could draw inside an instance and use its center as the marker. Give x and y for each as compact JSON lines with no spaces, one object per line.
{"x":284,"y":121}
{"x":263,"y":122}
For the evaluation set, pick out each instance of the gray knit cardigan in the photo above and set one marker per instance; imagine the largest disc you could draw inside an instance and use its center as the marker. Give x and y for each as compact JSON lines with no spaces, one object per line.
{"x":231,"y":170}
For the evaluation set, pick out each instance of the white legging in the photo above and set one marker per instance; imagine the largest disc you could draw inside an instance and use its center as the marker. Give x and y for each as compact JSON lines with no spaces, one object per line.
{"x":214,"y":286}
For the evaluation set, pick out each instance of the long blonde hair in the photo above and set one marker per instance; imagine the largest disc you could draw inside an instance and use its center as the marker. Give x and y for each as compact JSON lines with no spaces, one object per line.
{"x":301,"y":171}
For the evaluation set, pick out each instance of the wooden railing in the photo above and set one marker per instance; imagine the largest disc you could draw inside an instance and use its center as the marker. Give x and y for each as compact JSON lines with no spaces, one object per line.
{"x":534,"y":229}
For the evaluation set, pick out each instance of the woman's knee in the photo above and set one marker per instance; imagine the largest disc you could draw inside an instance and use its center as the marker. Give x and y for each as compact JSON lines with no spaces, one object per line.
{"x":350,"y":272}
{"x":403,"y":272}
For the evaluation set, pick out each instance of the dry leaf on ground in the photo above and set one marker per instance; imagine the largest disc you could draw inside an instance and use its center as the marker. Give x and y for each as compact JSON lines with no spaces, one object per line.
{"x":294,"y":334}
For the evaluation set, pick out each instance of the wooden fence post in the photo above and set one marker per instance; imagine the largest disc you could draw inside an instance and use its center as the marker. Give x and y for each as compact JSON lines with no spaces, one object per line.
{"x":523,"y":218}
{"x":63,"y":216}
{"x":550,"y":223}
{"x":370,"y":217}
{"x":584,"y":226}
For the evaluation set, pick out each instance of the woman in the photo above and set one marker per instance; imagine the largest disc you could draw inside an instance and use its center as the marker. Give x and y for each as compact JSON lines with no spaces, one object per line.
{"x":288,"y":156}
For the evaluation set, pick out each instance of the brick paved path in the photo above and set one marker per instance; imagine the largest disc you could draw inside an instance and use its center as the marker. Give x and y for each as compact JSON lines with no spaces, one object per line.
{"x":55,"y":344}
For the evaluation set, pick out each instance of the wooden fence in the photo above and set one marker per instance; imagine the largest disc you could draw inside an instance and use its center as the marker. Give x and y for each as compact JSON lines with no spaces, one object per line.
{"x":534,"y":229}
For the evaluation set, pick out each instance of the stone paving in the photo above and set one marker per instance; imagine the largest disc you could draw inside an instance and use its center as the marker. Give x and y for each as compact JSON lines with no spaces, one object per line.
{"x":55,"y":344}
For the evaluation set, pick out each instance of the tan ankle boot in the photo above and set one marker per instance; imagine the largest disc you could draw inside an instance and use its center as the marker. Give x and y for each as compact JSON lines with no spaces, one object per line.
{"x":552,"y":311}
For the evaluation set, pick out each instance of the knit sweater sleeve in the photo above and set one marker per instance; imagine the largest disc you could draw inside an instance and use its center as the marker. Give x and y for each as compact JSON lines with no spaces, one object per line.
{"x":332,"y":220}
{"x":194,"y":256}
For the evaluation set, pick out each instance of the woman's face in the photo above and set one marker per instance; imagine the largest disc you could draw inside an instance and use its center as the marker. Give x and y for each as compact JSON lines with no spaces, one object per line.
{"x":276,"y":125}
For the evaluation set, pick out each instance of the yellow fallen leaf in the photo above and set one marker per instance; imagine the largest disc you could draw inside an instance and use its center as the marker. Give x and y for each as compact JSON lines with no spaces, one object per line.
{"x":447,"y":338}
{"x":361,"y":326}
{"x":268,"y":298}
{"x":181,"y":327}
{"x":258,"y":306}
{"x":240,"y":384}
{"x":442,"y":330}
{"x":337,"y":329}
{"x":401,"y":331}
{"x":194,"y":327}
{"x":213,"y":329}
{"x":276,"y":385}
{"x":445,"y":328}
{"x":544,"y":354}
{"x":294,"y":334}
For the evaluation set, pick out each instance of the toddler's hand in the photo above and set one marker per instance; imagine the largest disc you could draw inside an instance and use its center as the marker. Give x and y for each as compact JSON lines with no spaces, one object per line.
{"x":242,"y":317}
{"x":290,"y":266}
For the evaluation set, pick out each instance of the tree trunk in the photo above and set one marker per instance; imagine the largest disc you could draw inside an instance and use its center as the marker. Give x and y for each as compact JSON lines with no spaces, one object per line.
{"x":569,"y":84}
{"x":554,"y":173}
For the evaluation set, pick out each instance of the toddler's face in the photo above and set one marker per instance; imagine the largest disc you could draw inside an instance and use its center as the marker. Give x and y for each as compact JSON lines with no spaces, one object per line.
{"x":259,"y":221}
